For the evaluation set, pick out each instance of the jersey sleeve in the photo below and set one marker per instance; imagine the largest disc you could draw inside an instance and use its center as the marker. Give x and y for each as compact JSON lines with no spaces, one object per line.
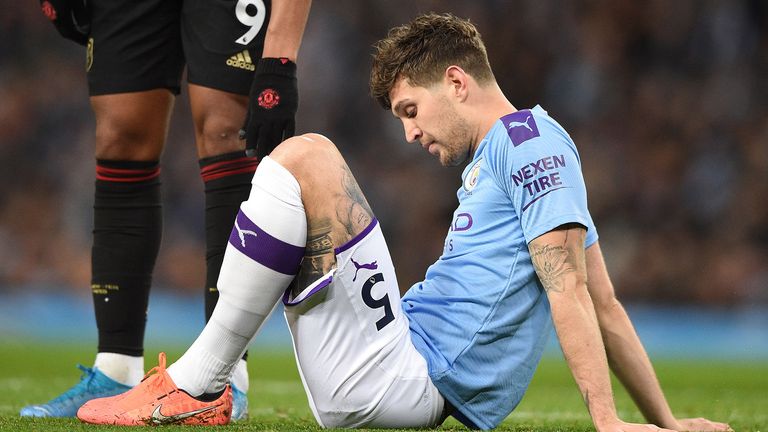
{"x":592,"y":236}
{"x":543,"y":176}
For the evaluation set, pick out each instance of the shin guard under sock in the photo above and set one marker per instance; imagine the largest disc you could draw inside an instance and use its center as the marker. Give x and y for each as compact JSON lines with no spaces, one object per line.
{"x":126,"y":239}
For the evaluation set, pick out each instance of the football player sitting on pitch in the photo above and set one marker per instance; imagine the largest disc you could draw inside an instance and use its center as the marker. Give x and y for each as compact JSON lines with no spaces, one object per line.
{"x":465,"y":341}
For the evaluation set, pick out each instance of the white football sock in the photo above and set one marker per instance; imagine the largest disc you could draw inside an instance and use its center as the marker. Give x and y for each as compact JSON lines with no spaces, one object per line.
{"x":125,"y":369}
{"x":263,"y":256}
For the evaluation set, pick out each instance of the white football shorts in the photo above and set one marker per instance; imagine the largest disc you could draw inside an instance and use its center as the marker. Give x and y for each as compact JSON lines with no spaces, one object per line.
{"x":353,"y":347}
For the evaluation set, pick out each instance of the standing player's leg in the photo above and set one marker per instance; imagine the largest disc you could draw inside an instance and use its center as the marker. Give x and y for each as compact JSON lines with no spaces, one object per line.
{"x":131,"y":129}
{"x":226,"y":172}
{"x":134,"y":67}
{"x":130,"y":132}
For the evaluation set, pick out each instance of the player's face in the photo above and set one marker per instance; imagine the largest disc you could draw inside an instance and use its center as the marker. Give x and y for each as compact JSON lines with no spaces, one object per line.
{"x":430,"y":118}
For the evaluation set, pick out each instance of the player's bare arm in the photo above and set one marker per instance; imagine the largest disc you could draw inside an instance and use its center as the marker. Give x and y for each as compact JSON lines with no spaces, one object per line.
{"x":286,"y":28}
{"x":627,"y":357}
{"x":559,"y":260}
{"x":554,"y":263}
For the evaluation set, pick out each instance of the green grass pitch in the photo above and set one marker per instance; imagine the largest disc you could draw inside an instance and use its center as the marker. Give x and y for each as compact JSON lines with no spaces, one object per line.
{"x":736,"y":392}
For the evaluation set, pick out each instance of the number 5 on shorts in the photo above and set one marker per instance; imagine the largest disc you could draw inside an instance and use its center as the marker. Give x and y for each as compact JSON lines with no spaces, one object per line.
{"x":377,"y":303}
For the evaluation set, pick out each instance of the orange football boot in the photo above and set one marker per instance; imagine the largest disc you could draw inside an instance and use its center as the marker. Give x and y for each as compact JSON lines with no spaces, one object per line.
{"x":157,"y":401}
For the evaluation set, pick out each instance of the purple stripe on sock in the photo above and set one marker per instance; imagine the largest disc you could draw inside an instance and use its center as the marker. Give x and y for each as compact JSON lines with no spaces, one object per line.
{"x":263,"y":248}
{"x":357,"y":238}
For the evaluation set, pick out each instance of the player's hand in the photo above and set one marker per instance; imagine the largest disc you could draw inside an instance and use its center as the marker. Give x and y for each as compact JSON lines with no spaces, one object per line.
{"x":702,"y":425}
{"x":70,"y":18}
{"x":272,"y":106}
{"x":621,"y":426}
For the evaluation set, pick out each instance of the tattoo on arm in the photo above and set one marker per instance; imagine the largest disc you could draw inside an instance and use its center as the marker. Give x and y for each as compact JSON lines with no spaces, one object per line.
{"x":553,"y":262}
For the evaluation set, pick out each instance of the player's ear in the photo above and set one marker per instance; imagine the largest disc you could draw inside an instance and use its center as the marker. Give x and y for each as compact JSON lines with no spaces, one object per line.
{"x":457,"y":81}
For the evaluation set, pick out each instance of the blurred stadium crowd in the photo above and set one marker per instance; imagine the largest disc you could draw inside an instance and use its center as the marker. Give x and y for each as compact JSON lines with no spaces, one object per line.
{"x":666,"y":100}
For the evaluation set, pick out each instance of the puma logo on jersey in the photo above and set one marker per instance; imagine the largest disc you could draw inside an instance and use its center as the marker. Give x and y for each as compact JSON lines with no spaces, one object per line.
{"x":367,"y":266}
{"x":524,"y":124}
{"x":242,"y":233}
{"x":242,"y":60}
{"x":521,"y":126}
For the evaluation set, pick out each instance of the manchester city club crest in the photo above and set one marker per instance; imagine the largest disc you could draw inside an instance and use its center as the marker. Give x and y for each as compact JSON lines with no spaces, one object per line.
{"x":470,"y":181}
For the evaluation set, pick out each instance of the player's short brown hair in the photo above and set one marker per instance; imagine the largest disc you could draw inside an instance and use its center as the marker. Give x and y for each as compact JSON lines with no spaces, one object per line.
{"x":423,"y":49}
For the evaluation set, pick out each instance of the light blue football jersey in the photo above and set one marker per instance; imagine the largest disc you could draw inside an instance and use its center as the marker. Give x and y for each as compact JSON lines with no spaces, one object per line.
{"x":481,"y":317}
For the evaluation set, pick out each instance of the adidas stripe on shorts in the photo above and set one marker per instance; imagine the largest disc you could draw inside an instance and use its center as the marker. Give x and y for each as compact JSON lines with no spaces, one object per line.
{"x":353,"y":347}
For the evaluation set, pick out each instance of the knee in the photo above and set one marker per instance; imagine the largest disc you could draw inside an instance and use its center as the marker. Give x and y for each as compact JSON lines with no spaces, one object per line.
{"x":128,"y":139}
{"x":131,"y":126}
{"x":306,"y":153}
{"x":218,"y":134}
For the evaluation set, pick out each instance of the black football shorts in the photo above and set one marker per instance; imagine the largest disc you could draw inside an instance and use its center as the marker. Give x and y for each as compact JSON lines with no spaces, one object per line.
{"x":138,"y":45}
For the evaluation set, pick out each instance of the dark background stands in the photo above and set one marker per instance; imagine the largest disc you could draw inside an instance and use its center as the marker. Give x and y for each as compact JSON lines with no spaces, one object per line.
{"x":666,"y":100}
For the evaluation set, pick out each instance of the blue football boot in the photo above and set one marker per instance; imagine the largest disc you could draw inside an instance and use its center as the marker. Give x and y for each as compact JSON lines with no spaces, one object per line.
{"x":93,"y":384}
{"x":239,"y":405}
